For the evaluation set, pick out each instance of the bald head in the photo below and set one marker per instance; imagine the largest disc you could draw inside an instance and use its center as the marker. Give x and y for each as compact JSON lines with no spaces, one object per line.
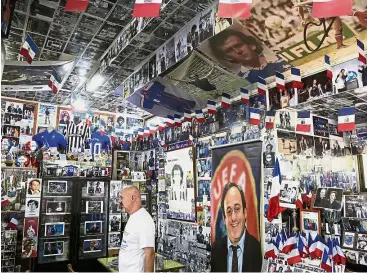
{"x":130,"y":199}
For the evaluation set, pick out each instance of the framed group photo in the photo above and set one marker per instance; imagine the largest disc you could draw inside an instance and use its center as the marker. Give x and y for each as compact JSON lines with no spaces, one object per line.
{"x":57,"y":187}
{"x":310,"y":221}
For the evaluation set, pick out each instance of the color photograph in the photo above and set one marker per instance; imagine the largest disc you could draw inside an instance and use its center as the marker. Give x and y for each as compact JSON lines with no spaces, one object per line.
{"x":92,"y":245}
{"x":53,"y":248}
{"x":55,"y":229}
{"x":93,"y":227}
{"x":46,"y":115}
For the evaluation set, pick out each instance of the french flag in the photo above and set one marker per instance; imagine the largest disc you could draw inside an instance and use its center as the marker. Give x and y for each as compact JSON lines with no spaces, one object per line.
{"x":325,"y":262}
{"x":199,"y":116}
{"x":226,"y":100}
{"x":147,"y":8}
{"x":329,"y":72}
{"x":212,"y":108}
{"x":234,"y":9}
{"x":177,"y":120}
{"x":346,"y":119}
{"x":135,"y":133}
{"x":274,"y":209}
{"x":361,"y":54}
{"x":163,"y":143}
{"x":290,"y":244}
{"x":299,"y":201}
{"x":269,"y":121}
{"x":54,"y":82}
{"x":271,"y":251}
{"x":279,"y":80}
{"x":302,"y":246}
{"x":245,"y":96}
{"x":303,"y":121}
{"x":331,"y":8}
{"x":29,"y":49}
{"x":339,"y":256}
{"x":254,"y":116}
{"x":141,"y":132}
{"x":153,"y":129}
{"x":293,"y":256}
{"x":170,"y":121}
{"x":261,"y":86}
{"x":307,"y":198}
{"x":146,"y":131}
{"x":161,"y":126}
{"x":317,"y":248}
{"x":187,"y":117}
{"x":296,"y":78}
{"x":278,"y":242}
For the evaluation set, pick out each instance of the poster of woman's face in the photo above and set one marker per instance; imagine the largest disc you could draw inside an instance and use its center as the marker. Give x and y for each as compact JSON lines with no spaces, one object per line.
{"x":181,"y":197}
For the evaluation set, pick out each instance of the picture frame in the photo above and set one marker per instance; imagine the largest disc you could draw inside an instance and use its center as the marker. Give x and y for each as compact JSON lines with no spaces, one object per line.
{"x":94,"y":207}
{"x":93,"y":227}
{"x":56,"y":207}
{"x":349,"y":240}
{"x":34,"y":187}
{"x":94,"y":245}
{"x":95,"y":188}
{"x":328,"y":198}
{"x":55,"y":229}
{"x":310,"y":220}
{"x":57,"y":187}
{"x":355,"y":206}
{"x":55,"y":248}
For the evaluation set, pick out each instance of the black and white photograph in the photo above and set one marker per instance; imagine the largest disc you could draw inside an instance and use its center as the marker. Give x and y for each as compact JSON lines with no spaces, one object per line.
{"x":272,"y":229}
{"x":161,"y":60}
{"x":362,"y":242}
{"x":114,"y":240}
{"x":351,"y":256}
{"x":349,"y":239}
{"x":320,"y":126}
{"x":115,"y":205}
{"x":95,"y":188}
{"x":115,"y":187}
{"x":53,"y":248}
{"x":203,"y":189}
{"x":14,"y":108}
{"x":339,"y":148}
{"x":94,"y":207}
{"x":32,"y":207}
{"x":206,"y":26}
{"x":203,"y":237}
{"x":204,"y":168}
{"x":268,"y":180}
{"x":322,"y":147}
{"x":285,"y":120}
{"x":305,"y":145}
{"x":314,"y":86}
{"x":346,"y":76}
{"x":34,"y":187}
{"x":94,"y":245}
{"x":57,"y":187}
{"x":55,"y":207}
{"x":170,"y":53}
{"x":355,"y":206}
{"x":288,"y":193}
{"x":92,"y":227}
{"x":329,"y":198}
{"x":115,"y":223}
{"x":14,"y":120}
{"x":287,"y":144}
{"x":180,"y":44}
{"x":362,"y":258}
{"x":269,"y":155}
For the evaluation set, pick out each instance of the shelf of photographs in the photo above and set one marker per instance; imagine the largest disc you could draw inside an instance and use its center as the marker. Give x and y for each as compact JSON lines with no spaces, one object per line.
{"x":115,"y":218}
{"x":94,"y":219}
{"x":8,"y":250}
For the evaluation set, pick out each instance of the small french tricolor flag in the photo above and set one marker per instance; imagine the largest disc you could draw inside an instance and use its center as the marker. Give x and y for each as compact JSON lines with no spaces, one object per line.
{"x":135,"y":133}
{"x":325,"y":262}
{"x":54,"y":82}
{"x":161,"y":126}
{"x":147,"y":8}
{"x":296,"y":78}
{"x":346,"y":119}
{"x":329,"y":72}
{"x":29,"y":49}
{"x":279,"y":80}
{"x":146,"y":131}
{"x":303,"y":121}
{"x":177,"y":120}
{"x":361,"y":54}
{"x":212,"y":108}
{"x":169,"y":121}
{"x":152,"y":129}
{"x":187,"y":116}
{"x":254,"y":116}
{"x":261,"y":86}
{"x":234,"y":9}
{"x":245,"y":96}
{"x":141,"y":132}
{"x":269,"y":121}
{"x":226,"y":100}
{"x":199,"y":116}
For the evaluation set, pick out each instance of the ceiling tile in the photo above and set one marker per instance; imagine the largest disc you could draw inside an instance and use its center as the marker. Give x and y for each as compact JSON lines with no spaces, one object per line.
{"x":120,"y":15}
{"x":165,"y":31}
{"x":109,"y":31}
{"x":18,"y":20}
{"x":50,"y":55}
{"x":99,"y":8}
{"x":89,"y":24}
{"x":38,"y":26}
{"x":98,"y":44}
{"x":153,"y":44}
{"x":153,"y":24}
{"x":55,"y":44}
{"x":65,"y":18}
{"x":81,"y":38}
{"x":21,"y":5}
{"x":74,"y":49}
{"x":38,"y":39}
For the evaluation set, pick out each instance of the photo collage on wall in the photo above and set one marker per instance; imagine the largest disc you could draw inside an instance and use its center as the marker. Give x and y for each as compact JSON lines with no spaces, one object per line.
{"x":116,"y":218}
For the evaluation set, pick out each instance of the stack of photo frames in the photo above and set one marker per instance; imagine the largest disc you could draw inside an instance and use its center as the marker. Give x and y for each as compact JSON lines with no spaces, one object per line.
{"x":31,"y":219}
{"x":115,"y":216}
{"x":354,"y":223}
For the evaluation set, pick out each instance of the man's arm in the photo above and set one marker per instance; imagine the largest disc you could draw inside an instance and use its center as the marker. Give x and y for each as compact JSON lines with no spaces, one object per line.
{"x":149,"y":259}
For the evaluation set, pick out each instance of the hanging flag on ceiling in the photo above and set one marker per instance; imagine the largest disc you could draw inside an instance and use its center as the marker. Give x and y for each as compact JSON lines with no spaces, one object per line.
{"x":279,"y":80}
{"x":329,"y":72}
{"x":199,"y":116}
{"x":346,"y":119}
{"x":147,"y":8}
{"x":161,"y":126}
{"x":187,"y":116}
{"x":76,"y":5}
{"x":269,"y":122}
{"x":29,"y":49}
{"x":153,"y":129}
{"x":361,"y":54}
{"x":234,"y":8}
{"x":245,"y":96}
{"x":261,"y":86}
{"x":303,"y":121}
{"x":254,"y":116}
{"x":331,"y":8}
{"x":146,"y":132}
{"x":177,"y":120}
{"x":226,"y":100}
{"x":169,"y":121}
{"x":296,"y":78}
{"x":55,"y":82}
{"x":212,"y":108}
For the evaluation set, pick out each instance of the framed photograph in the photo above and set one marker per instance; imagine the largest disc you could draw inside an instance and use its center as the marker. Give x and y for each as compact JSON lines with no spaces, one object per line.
{"x":53,"y":248}
{"x":55,"y":207}
{"x":355,"y":206}
{"x":34,"y":187}
{"x":115,"y":223}
{"x":114,"y":240}
{"x":348,"y":239}
{"x":179,"y":171}
{"x":55,"y":229}
{"x":362,"y":242}
{"x":144,"y":200}
{"x":351,"y":256}
{"x":30,"y":227}
{"x":57,"y":187}
{"x":328,"y":198}
{"x":32,"y":207}
{"x":94,"y":207}
{"x":288,"y":193}
{"x":94,"y":245}
{"x":95,"y":188}
{"x":310,"y":221}
{"x":93,"y":227}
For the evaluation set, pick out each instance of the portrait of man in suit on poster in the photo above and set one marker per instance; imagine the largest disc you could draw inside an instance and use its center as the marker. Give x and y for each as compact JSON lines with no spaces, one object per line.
{"x":238,"y":251}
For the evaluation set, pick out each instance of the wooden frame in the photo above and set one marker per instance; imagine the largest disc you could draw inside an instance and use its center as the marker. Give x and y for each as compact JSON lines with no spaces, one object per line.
{"x":317,"y":216}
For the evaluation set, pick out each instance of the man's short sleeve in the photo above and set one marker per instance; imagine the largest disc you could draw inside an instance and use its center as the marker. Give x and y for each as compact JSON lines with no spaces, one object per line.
{"x":147,"y":235}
